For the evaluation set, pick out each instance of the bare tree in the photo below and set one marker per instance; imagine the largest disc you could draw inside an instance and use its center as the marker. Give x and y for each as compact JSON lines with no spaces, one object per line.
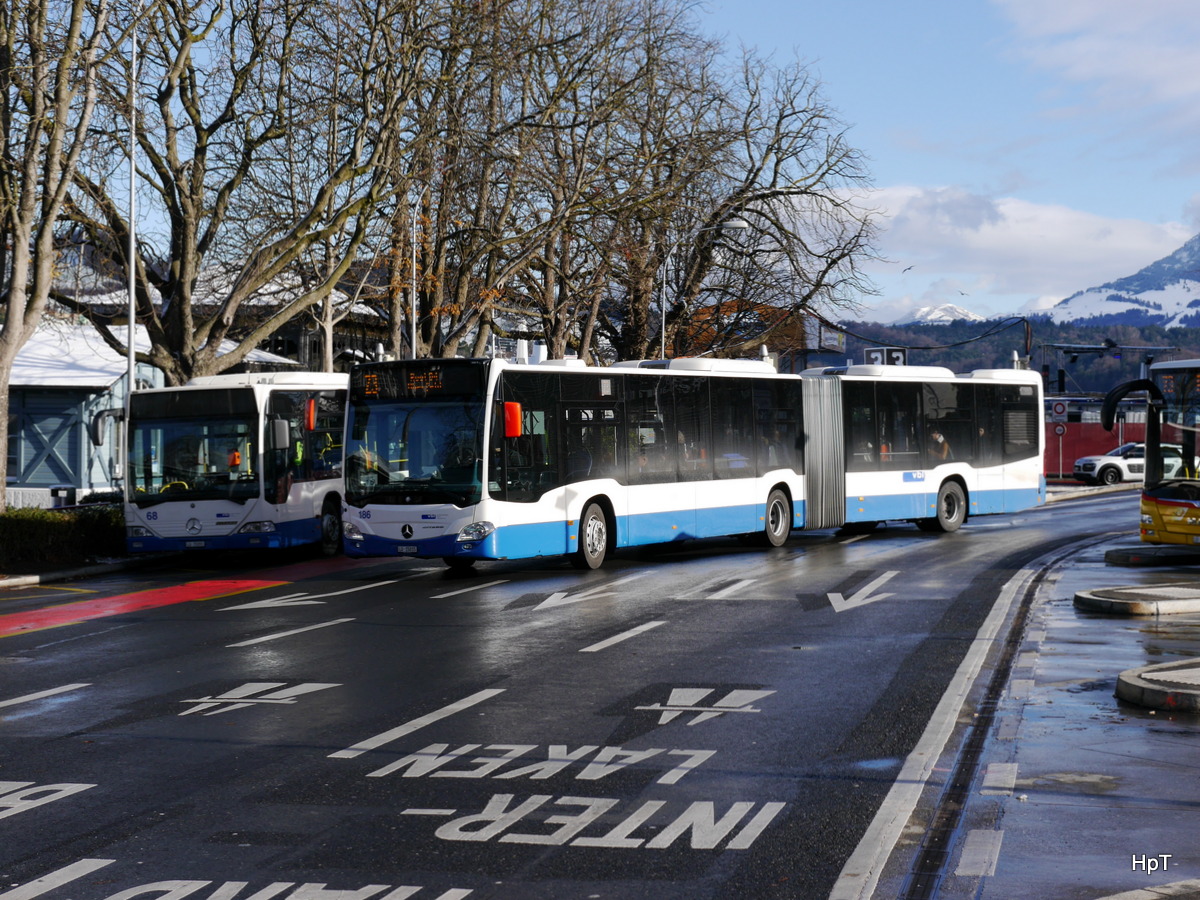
{"x":469,"y":183}
{"x":794,"y":180}
{"x":48,"y":72}
{"x":234,"y":87}
{"x":763,"y":151}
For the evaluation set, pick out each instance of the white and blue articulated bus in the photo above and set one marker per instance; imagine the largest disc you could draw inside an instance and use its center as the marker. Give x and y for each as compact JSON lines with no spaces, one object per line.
{"x":236,"y":462}
{"x":470,"y":459}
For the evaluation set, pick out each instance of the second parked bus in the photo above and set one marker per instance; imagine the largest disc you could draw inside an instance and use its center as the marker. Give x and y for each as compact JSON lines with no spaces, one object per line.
{"x":236,"y":461}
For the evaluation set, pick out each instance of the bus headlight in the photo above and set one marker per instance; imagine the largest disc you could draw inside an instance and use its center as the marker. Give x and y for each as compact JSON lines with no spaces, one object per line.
{"x":351,"y":530}
{"x":136,"y":531}
{"x":257,"y":528}
{"x":1147,"y":520}
{"x":476,"y":531}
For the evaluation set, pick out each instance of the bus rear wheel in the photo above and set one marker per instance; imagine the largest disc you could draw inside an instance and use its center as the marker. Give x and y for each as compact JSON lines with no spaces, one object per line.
{"x":593,"y":538}
{"x":778,"y":525}
{"x":951,"y":510}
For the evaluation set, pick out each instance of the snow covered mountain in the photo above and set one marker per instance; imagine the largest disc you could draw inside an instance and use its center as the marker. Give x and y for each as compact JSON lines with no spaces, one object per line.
{"x":939,"y":315}
{"x":1166,"y":292}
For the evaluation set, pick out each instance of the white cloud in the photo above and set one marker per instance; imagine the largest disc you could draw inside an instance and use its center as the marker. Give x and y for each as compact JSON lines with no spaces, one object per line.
{"x":1133,"y":59}
{"x":1012,"y":246}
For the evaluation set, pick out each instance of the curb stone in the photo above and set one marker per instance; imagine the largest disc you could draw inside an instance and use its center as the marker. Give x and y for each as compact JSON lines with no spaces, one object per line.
{"x":1148,"y":600}
{"x":1173,"y":686}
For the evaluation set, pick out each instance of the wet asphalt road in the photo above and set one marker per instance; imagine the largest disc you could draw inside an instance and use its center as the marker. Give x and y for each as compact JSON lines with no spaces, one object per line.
{"x":706,"y":722}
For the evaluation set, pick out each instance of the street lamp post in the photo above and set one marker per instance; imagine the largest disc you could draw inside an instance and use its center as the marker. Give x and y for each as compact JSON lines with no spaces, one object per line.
{"x":412,"y":289}
{"x":731,"y":224}
{"x":132,"y":287}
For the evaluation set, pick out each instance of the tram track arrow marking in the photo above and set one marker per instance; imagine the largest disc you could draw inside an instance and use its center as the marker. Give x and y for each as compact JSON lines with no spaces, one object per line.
{"x":302,"y":599}
{"x":562,"y":598}
{"x":863,"y":596}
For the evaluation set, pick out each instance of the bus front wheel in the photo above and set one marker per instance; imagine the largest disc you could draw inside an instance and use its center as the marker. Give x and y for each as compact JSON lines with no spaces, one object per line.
{"x":778,"y":525}
{"x":593,"y":538}
{"x":331,"y":528}
{"x":951,"y":509}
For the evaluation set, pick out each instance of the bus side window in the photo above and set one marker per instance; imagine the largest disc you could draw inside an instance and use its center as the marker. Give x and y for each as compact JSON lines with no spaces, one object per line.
{"x":1022,"y":421}
{"x":862,"y":452}
{"x":531,"y":463}
{"x":690,"y":428}
{"x":291,"y":462}
{"x":651,"y":454}
{"x":989,"y":425}
{"x":734,"y":450}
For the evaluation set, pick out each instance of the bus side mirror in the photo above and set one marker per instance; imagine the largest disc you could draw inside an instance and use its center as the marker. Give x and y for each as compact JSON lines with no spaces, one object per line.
{"x":512,"y":420}
{"x":100,"y":423}
{"x":280,"y":436}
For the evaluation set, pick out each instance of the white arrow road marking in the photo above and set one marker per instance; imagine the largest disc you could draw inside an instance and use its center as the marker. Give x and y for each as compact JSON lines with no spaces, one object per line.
{"x":863,"y":595}
{"x":562,"y":598}
{"x":305,"y":599}
{"x":40,"y":694}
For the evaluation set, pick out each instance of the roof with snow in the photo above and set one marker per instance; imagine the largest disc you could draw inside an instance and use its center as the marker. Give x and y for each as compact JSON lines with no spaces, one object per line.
{"x":75,"y":356}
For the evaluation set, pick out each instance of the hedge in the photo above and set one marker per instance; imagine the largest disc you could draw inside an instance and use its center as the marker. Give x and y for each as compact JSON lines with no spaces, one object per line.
{"x":34,"y":539}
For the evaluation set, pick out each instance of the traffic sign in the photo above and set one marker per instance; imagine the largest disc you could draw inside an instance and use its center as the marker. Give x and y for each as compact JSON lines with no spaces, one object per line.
{"x":886,"y":356}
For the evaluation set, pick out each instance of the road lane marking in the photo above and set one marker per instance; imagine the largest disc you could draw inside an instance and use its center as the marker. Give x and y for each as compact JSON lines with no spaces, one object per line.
{"x":303,"y":599}
{"x":736,"y":586}
{"x":467,"y":590}
{"x":100,"y":607}
{"x":283,"y":634}
{"x":40,"y":694}
{"x":379,"y":740}
{"x":623,"y":636}
{"x":56,"y":879}
{"x":862,"y":870}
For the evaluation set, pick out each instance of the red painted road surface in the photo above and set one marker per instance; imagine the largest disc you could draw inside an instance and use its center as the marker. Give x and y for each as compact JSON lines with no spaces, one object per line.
{"x":83,"y":610}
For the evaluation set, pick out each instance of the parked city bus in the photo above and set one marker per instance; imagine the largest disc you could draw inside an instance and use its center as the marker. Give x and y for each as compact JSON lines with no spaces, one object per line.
{"x":484,"y":459}
{"x":236,"y":461}
{"x":1170,"y":503}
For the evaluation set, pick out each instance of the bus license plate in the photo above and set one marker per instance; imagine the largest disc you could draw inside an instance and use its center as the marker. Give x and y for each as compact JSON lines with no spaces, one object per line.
{"x":193,"y":545}
{"x":407,"y":549}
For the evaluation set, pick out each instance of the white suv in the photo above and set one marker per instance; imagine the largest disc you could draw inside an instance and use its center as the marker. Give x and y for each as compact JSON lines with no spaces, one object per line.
{"x":1126,"y":463}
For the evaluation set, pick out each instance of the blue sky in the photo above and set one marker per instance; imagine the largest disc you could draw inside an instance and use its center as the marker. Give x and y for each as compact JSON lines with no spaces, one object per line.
{"x":1021,"y":150}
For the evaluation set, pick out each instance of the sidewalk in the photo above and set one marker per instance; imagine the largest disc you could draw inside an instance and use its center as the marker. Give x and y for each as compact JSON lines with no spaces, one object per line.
{"x":1088,"y":785}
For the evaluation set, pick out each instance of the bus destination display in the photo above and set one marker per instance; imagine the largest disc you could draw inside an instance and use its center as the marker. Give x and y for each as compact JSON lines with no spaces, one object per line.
{"x":417,"y":379}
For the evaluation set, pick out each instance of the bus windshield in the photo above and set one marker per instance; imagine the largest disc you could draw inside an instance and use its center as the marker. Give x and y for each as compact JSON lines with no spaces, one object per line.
{"x":415,"y":452}
{"x":201,"y":454}
{"x":1180,"y":420}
